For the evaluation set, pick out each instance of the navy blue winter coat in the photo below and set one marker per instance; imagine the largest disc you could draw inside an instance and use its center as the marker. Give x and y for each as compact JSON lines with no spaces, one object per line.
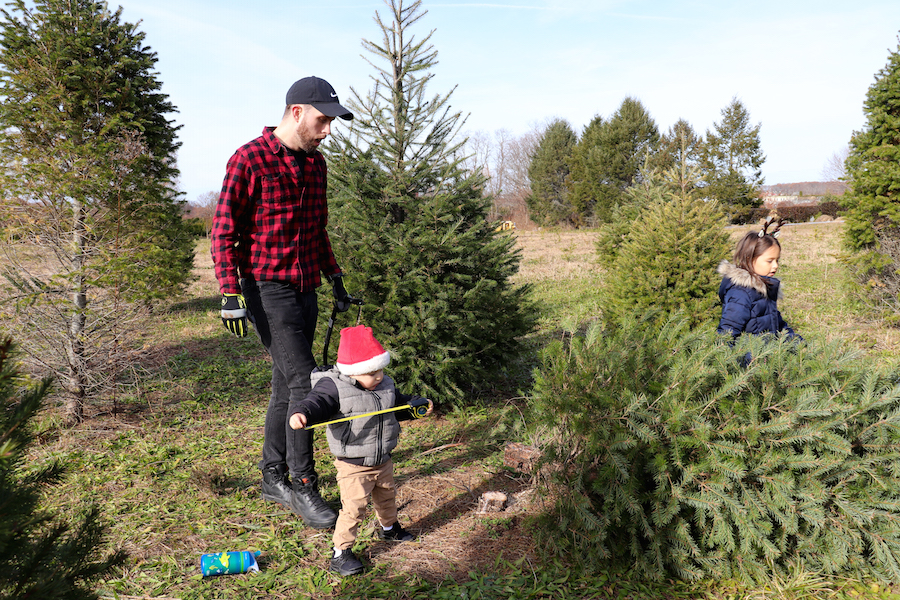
{"x":750,"y":305}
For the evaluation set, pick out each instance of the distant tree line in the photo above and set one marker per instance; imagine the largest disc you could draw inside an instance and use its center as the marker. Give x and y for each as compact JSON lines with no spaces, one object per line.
{"x":566,"y":179}
{"x":579,"y":181}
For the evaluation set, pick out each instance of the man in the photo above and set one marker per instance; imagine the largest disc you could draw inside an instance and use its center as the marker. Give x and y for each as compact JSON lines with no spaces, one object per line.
{"x":270,"y":248}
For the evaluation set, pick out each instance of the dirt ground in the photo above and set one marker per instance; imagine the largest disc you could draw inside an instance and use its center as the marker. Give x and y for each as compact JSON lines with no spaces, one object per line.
{"x":453,"y":536}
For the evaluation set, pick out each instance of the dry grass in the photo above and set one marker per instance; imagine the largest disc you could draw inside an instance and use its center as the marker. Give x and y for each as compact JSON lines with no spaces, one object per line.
{"x":550,"y":256}
{"x":443,"y":466}
{"x":454,"y":538}
{"x":817,"y":299}
{"x":205,"y":283}
{"x":563,"y":269}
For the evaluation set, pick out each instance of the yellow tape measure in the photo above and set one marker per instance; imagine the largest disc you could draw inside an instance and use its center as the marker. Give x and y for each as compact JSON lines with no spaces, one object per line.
{"x":419,"y":409}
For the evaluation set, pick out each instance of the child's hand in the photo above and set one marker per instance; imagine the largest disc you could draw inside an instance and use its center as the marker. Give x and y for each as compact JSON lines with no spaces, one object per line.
{"x":416,"y":405}
{"x":298,"y":421}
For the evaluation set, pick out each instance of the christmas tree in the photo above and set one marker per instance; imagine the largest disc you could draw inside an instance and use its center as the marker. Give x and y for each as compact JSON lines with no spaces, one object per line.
{"x":41,"y":555}
{"x":669,"y":458}
{"x":411,"y":231}
{"x":666,"y":257}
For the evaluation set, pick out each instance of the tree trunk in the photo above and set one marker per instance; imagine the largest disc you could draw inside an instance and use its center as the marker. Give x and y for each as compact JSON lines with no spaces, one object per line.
{"x":76,"y":383}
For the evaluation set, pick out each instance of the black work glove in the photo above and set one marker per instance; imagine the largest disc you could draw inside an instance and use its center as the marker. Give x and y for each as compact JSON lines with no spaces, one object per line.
{"x":342,"y":298}
{"x":234,"y":314}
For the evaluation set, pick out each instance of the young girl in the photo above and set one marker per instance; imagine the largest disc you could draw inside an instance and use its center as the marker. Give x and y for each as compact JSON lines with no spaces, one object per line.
{"x":749,"y":291}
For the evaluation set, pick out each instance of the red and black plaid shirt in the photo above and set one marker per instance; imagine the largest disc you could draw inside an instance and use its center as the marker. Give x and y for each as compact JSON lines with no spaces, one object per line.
{"x":270,"y":219}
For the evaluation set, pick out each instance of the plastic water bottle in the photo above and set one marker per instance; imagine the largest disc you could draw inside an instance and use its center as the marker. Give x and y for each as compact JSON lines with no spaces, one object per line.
{"x":227,"y":563}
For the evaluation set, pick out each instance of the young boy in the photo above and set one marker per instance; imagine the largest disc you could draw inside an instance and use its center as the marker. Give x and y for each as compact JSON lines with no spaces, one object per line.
{"x":362,"y":446}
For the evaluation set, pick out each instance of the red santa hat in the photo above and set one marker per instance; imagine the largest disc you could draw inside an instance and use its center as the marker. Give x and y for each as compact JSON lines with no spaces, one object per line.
{"x":359,"y":352}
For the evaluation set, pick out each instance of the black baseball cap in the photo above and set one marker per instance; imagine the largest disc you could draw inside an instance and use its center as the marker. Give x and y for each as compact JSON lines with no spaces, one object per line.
{"x":319,"y":93}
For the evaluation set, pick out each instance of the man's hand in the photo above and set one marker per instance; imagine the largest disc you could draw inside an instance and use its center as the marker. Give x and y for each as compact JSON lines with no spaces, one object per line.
{"x":342,"y":298}
{"x":298,"y":421}
{"x":234,"y":314}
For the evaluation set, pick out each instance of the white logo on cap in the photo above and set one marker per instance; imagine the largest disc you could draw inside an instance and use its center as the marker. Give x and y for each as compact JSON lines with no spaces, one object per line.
{"x":333,"y":95}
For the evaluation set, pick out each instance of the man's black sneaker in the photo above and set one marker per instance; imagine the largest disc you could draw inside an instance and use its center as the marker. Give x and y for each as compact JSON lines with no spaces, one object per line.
{"x":395,"y":534}
{"x":306,"y":502}
{"x":276,"y":487}
{"x":345,"y":564}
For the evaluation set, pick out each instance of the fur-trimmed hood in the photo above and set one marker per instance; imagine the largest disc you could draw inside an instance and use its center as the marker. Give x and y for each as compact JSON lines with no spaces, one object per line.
{"x":741,"y":277}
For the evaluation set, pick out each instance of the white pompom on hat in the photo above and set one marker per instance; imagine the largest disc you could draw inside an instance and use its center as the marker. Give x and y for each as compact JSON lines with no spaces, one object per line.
{"x":359,"y":353}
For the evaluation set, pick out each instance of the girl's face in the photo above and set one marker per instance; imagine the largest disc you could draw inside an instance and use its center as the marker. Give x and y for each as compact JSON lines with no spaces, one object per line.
{"x":767,"y":263}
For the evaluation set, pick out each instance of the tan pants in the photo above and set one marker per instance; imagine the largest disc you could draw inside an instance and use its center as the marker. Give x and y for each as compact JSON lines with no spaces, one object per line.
{"x":356,"y":485}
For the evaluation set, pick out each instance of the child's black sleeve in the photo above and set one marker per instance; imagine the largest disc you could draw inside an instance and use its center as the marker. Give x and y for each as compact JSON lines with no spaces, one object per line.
{"x":320,"y":404}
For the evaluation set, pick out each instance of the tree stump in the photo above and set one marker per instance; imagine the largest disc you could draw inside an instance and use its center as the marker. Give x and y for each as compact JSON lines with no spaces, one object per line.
{"x":492,"y":502}
{"x":520,"y":457}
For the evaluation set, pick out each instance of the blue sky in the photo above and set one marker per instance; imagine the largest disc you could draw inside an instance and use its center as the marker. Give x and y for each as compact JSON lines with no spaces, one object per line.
{"x":801,"y":68}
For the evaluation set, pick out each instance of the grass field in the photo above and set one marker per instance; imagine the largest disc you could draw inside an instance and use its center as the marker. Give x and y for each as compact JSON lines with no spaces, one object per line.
{"x":175,"y":472}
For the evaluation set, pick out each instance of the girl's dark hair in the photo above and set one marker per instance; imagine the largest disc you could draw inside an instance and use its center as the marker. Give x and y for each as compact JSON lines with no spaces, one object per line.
{"x":751,"y":247}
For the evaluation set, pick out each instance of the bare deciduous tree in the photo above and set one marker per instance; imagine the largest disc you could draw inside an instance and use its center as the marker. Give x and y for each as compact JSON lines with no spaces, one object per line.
{"x":204,"y":208}
{"x":835,"y":167}
{"x":503,"y":158}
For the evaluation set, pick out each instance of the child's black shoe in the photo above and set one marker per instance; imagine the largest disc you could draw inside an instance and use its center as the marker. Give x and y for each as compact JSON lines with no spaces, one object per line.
{"x":345,"y":564}
{"x":395,"y":534}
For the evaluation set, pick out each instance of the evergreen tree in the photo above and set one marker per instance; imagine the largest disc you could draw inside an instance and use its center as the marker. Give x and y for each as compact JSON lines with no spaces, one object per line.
{"x":677,"y":159}
{"x":873,"y":171}
{"x":667,"y":258}
{"x":585,"y":180}
{"x":624,"y":143}
{"x":87,"y":148}
{"x":410,"y":229}
{"x":548,"y":203}
{"x":638,"y":197}
{"x":732,"y":161}
{"x":667,"y":458}
{"x":41,"y":556}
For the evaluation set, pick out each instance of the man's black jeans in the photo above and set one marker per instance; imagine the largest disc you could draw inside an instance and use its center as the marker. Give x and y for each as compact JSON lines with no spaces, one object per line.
{"x":285,"y":320}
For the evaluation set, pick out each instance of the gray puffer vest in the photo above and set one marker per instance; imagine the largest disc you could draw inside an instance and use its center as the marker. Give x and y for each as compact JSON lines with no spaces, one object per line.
{"x":370,"y":439}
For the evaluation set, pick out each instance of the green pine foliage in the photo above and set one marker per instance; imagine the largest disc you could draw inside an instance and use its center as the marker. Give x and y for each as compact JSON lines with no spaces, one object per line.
{"x":549,"y":202}
{"x":585,"y":182}
{"x":873,"y":171}
{"x":732,"y":160}
{"x":677,"y":161}
{"x":636,"y":199}
{"x":665,"y":456}
{"x":666,"y":257}
{"x":623,"y":145}
{"x":409,"y":225}
{"x":41,"y":555}
{"x":86,"y":129}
